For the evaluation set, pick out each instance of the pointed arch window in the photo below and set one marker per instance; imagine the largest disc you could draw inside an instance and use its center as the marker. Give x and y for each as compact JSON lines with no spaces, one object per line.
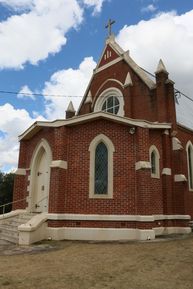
{"x":101,"y":167}
{"x":154,"y":161}
{"x":189,"y":150}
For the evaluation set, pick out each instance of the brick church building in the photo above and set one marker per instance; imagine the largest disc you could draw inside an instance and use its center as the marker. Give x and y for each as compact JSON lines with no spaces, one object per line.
{"x":119,"y":168}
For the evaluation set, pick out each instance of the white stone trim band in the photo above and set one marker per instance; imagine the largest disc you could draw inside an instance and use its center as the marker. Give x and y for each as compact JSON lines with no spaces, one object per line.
{"x":105,"y":66}
{"x":180,"y":178}
{"x":166,"y":171}
{"x":59,"y":164}
{"x":176,"y":144}
{"x":20,"y":172}
{"x":137,"y":218}
{"x":141,"y":165}
{"x":89,"y":117}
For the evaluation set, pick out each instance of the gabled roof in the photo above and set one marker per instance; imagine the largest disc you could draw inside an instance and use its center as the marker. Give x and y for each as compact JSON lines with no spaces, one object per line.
{"x":124,"y":55}
{"x":38,"y":125}
{"x":121,"y":55}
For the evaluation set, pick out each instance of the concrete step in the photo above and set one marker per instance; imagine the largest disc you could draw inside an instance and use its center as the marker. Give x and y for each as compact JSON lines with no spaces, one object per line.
{"x":191,"y":225}
{"x":11,"y":239}
{"x":15,"y":223}
{"x":9,"y":227}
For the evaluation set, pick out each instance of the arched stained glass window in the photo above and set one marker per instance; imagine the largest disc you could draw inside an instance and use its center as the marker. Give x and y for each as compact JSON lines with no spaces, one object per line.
{"x":101,"y":169}
{"x":153,"y":162}
{"x":190,"y":166}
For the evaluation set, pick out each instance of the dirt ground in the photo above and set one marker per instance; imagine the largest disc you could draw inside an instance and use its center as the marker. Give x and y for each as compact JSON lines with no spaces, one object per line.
{"x":162,"y":264}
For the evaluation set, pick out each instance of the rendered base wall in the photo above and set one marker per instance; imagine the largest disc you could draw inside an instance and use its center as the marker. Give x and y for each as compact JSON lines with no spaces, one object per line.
{"x":114,"y":227}
{"x":110,"y":227}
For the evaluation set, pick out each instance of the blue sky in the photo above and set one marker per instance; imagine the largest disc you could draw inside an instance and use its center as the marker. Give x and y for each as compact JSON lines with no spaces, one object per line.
{"x":52,"y":46}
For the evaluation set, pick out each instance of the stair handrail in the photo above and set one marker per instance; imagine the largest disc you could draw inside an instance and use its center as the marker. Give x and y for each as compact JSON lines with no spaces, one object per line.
{"x":10,"y":203}
{"x":36,"y":205}
{"x":13,"y":202}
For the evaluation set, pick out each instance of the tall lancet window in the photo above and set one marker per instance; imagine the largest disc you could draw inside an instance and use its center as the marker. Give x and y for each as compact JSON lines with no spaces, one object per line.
{"x":101,"y":169}
{"x":190,"y":165}
{"x":155,"y":162}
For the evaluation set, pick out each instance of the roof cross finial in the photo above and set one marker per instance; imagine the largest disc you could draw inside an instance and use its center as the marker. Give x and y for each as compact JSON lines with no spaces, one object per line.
{"x":109,"y":26}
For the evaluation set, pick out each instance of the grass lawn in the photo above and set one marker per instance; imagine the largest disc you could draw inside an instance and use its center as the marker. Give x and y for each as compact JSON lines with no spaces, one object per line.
{"x":82,"y":265}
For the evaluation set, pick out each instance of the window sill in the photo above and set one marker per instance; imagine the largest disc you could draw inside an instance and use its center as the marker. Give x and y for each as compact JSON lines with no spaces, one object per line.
{"x":100,"y":197}
{"x":155,"y":177}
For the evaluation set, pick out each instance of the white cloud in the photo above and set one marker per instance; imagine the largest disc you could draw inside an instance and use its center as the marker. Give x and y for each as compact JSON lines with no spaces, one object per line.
{"x":25,"y":93}
{"x":149,"y":8}
{"x":167,"y":36}
{"x":31,"y":37}
{"x":17,"y":4}
{"x":68,"y":82}
{"x":96,"y":3}
{"x":40,"y":29}
{"x":12,"y":123}
{"x":65,"y":82}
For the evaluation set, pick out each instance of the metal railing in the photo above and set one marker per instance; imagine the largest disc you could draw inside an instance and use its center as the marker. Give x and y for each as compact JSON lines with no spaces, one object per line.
{"x":10,"y":203}
{"x":36,"y":205}
{"x":25,"y":199}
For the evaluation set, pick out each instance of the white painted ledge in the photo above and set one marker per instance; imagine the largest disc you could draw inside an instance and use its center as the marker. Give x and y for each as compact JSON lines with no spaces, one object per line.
{"x":167,"y":171}
{"x":176,"y":144}
{"x":172,"y":217}
{"x":34,"y":230}
{"x":20,"y":172}
{"x":34,"y":223}
{"x":129,"y":218}
{"x":59,"y":164}
{"x":180,"y":178}
{"x":141,"y":165}
{"x":166,"y":132}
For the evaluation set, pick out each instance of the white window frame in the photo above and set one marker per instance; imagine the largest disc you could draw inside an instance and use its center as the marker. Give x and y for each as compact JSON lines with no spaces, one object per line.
{"x":154,"y":149}
{"x":106,"y":94}
{"x":189,"y":144}
{"x":92,"y":149}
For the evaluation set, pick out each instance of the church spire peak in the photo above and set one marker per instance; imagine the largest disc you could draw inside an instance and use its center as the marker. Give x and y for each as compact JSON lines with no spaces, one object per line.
{"x":70,"y":112}
{"x":161,"y":67}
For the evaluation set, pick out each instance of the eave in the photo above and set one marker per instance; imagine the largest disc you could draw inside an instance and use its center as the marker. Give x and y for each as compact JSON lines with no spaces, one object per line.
{"x":37,"y":126}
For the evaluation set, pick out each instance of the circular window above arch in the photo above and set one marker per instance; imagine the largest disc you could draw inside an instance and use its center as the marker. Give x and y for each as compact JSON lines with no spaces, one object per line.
{"x":111,"y":104}
{"x":111,"y":101}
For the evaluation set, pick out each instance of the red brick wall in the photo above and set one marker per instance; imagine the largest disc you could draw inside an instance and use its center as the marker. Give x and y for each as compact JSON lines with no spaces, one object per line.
{"x":113,"y":56}
{"x":135,"y":192}
{"x":118,"y":224}
{"x":182,"y":191}
{"x":140,"y":102}
{"x":69,"y":189}
{"x":78,"y":201}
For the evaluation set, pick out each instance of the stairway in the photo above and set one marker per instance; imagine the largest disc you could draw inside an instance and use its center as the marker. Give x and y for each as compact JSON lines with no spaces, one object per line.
{"x":191,"y":225}
{"x":9,"y":227}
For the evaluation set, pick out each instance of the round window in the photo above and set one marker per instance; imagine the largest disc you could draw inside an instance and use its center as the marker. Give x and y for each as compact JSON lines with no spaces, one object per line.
{"x":111,"y":104}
